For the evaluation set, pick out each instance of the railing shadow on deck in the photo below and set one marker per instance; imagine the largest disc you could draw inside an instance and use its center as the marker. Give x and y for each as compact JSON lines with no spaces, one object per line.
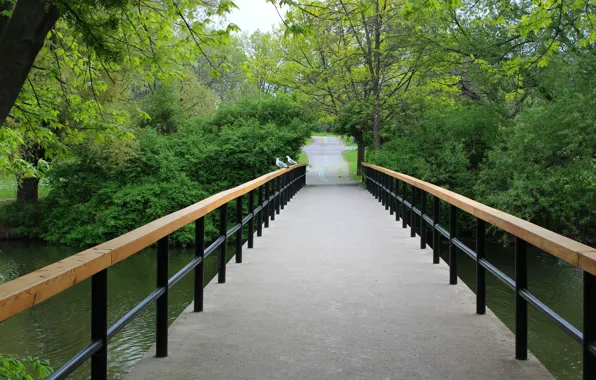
{"x":392,"y":189}
{"x":274,"y":191}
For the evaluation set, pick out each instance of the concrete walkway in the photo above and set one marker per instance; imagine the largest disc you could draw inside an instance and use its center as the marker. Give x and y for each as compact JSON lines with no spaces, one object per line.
{"x":327,"y":165}
{"x":336,"y":289}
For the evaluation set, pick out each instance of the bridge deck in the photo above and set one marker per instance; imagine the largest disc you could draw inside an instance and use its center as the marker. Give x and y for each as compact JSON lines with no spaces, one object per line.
{"x":336,"y":289}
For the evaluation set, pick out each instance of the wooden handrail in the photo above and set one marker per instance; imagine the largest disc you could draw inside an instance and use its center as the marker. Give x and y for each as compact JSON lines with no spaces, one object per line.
{"x":26,"y":291}
{"x":575,"y":253}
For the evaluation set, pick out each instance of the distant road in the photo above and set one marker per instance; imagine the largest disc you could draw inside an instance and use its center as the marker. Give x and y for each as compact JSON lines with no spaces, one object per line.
{"x":328,"y":166}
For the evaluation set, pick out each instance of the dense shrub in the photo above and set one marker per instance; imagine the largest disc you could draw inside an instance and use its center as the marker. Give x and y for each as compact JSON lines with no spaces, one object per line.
{"x":544,"y":170}
{"x":443,"y":146}
{"x":173,"y":163}
{"x":537,"y":163}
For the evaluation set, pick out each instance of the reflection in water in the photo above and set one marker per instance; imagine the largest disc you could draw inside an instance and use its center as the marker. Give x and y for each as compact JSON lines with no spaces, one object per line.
{"x":59,"y":327}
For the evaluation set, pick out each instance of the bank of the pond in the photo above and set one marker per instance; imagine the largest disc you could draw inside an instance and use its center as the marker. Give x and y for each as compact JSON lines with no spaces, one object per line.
{"x":56,"y":329}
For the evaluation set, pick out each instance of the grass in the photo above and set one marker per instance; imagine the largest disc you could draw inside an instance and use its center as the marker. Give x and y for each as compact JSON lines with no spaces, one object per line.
{"x":351,"y":156}
{"x":348,"y":141}
{"x":8,"y":187}
{"x":303,"y":158}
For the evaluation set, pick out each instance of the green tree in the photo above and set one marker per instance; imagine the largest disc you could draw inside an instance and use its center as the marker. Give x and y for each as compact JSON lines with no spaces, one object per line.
{"x":99,"y":60}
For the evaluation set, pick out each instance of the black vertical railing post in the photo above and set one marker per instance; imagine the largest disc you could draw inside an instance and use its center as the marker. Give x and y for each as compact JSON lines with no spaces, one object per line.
{"x":99,"y":324}
{"x":376,"y":183}
{"x":391,"y":197}
{"x":288,"y":187}
{"x":404,"y":210}
{"x":238,"y":237}
{"x":386,"y":191}
{"x":363,"y":177}
{"x":379,"y":176}
{"x":412,"y":213}
{"x":273,"y":201}
{"x":266,"y":209}
{"x":304,"y":176}
{"x":436,"y":234}
{"x":380,"y":185}
{"x":382,"y":188}
{"x":291,"y":186}
{"x":396,"y":201}
{"x":260,"y":217}
{"x":589,"y":365}
{"x":452,"y":247}
{"x":223,"y":248}
{"x":161,"y":323}
{"x":373,"y":176}
{"x":278,"y":197}
{"x":288,"y":180}
{"x":480,"y":271}
{"x":251,"y":221}
{"x":284,"y":195}
{"x":521,"y":306}
{"x":422,"y":221}
{"x":282,"y":191}
{"x":199,"y":269}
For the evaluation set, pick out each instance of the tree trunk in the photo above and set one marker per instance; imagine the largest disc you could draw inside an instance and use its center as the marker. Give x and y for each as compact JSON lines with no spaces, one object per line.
{"x":21,"y":38}
{"x":27,"y":187}
{"x":377,"y":126}
{"x":360,"y":157}
{"x":27,"y":190}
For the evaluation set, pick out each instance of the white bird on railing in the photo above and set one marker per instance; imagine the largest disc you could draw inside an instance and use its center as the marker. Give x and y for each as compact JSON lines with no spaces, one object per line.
{"x":280,"y":164}
{"x":290,"y":161}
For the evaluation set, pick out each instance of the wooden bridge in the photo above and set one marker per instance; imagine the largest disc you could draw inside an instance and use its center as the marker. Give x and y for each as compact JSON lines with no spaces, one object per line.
{"x":341,"y":286}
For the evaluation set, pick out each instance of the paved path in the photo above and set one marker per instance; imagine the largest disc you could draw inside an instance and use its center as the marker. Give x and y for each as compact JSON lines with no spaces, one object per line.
{"x":336,"y":289}
{"x":327,"y":165}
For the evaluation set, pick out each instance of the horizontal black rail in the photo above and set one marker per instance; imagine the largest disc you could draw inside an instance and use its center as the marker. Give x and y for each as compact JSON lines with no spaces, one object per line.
{"x":78,"y":360}
{"x":386,"y":189}
{"x":272,"y":196}
{"x":497,"y":273}
{"x":128,"y":317}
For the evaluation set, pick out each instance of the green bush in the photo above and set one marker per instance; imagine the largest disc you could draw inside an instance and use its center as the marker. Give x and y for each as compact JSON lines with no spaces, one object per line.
{"x":544,"y":170}
{"x":94,"y":198}
{"x":443,"y":146}
{"x":20,"y":221}
{"x":536,"y":162}
{"x":24,"y":368}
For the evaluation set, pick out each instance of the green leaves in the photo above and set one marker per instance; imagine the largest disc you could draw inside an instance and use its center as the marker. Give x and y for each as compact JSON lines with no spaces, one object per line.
{"x":110,"y":188}
{"x":24,"y":368}
{"x":100,"y":57}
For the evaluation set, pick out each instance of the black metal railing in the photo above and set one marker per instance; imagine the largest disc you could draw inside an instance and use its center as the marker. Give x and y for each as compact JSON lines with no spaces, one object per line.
{"x":272,"y":197}
{"x":387,"y":190}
